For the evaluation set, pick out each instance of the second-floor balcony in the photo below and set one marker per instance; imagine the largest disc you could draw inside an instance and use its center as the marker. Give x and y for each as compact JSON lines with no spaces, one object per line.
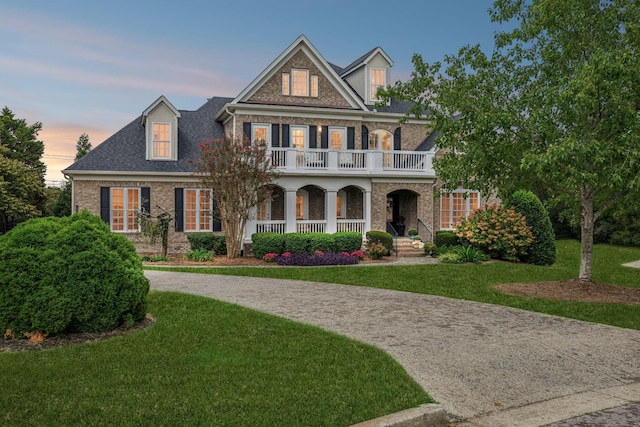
{"x":356,"y":162}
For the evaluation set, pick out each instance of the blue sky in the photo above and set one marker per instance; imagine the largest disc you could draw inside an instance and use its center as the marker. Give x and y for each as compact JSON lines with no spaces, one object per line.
{"x":93,"y":67}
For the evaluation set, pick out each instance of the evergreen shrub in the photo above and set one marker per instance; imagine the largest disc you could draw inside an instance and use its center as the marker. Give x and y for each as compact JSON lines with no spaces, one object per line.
{"x":381,"y":237}
{"x":347,"y":241}
{"x":543,"y":248}
{"x":267,"y":242}
{"x":69,"y":274}
{"x":210,"y":242}
{"x":446,"y":238}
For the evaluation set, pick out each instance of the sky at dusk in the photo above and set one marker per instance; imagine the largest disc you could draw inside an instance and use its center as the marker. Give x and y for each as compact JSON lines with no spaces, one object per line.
{"x":92,"y":67}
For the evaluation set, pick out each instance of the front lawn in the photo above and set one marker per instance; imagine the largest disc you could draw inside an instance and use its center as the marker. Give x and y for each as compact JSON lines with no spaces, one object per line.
{"x":206,"y":362}
{"x":473,"y":282}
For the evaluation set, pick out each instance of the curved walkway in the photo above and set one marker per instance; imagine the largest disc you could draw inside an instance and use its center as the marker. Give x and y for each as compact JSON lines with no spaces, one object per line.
{"x":519,"y":367}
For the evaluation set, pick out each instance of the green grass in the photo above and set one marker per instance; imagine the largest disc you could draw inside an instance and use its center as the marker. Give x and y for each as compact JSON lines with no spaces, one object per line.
{"x":473,"y":282}
{"x":206,"y":362}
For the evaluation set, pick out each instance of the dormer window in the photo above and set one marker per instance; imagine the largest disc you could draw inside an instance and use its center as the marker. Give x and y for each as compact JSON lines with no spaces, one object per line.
{"x":299,"y":83}
{"x":378,"y":79}
{"x":161,"y":140}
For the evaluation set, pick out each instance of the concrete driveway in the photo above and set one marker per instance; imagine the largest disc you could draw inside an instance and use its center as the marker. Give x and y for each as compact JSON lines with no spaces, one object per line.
{"x":490,"y":364}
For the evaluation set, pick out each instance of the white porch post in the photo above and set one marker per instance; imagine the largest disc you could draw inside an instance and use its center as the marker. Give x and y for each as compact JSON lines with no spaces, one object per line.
{"x":290,"y":214}
{"x":367,"y":211}
{"x":250,"y":227}
{"x":330,"y":212}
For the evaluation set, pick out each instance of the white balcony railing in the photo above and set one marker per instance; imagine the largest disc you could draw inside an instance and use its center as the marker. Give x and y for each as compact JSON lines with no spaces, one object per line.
{"x":272,"y":226}
{"x":356,"y":225}
{"x":376,"y":161}
{"x":310,"y":226}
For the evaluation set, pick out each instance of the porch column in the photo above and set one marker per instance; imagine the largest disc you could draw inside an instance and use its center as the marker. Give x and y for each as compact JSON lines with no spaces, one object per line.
{"x":367,"y":212}
{"x":330,"y":213}
{"x":290,"y":211}
{"x":251,"y":225}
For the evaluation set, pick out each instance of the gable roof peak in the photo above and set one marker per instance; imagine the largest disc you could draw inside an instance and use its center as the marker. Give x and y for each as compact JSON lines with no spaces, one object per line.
{"x":161,"y":100}
{"x":364,"y":59}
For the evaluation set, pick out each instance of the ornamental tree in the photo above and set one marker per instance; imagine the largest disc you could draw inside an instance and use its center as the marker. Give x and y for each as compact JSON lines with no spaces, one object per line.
{"x":240,"y":174}
{"x":556,"y":105}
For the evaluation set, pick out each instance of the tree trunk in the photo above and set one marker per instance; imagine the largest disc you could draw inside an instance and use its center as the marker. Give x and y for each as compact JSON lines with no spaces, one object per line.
{"x":587,"y":220}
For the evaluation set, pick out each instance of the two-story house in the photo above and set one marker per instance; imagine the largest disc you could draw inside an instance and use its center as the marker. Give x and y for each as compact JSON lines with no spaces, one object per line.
{"x":346,"y":164}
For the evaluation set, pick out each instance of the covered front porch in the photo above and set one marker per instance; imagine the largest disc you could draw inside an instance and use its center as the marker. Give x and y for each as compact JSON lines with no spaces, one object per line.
{"x":322,"y":207}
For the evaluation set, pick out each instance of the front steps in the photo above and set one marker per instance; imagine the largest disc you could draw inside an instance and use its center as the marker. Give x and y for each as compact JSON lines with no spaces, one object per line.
{"x":406,"y":248}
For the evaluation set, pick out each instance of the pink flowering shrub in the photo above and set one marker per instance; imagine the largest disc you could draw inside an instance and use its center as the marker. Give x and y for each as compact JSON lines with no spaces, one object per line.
{"x":502,"y":233}
{"x":270,"y":257}
{"x":358,"y":254}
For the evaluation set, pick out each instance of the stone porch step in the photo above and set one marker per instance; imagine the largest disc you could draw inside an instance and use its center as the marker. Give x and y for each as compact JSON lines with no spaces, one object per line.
{"x":406,"y":248}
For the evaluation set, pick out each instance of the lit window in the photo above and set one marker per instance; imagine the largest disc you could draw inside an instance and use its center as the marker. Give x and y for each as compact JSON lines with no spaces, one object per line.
{"x":337,"y":138}
{"x":456,"y":206}
{"x":298,"y":136}
{"x":260,"y":133}
{"x":314,"y":86}
{"x":302,"y":201}
{"x":300,"y":82}
{"x":197,"y":210}
{"x":341,"y":205}
{"x":125,"y":203}
{"x":161,"y":140}
{"x":378,"y":80}
{"x":263,"y":211}
{"x":380,"y":140}
{"x":285,"y":84}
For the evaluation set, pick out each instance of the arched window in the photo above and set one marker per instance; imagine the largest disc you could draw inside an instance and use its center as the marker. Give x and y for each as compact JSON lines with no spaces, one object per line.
{"x":302,"y":204}
{"x":380,"y":139}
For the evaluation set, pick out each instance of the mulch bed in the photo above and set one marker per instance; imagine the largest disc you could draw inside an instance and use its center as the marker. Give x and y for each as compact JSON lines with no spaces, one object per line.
{"x":574,"y":290}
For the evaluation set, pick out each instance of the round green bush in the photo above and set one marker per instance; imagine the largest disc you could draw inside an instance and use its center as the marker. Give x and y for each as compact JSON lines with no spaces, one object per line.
{"x":69,"y":274}
{"x":446,"y":238}
{"x":321,"y":242}
{"x":347,"y":241}
{"x":543,"y":248}
{"x":382,"y":237}
{"x":267,"y":243}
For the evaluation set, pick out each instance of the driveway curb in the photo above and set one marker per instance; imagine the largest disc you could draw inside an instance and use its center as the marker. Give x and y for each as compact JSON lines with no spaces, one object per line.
{"x":427,"y":415}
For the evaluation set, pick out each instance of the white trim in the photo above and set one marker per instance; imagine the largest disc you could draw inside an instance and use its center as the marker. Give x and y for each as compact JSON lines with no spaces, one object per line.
{"x":198,"y":210}
{"x":265,"y":126}
{"x":343,"y":131}
{"x":363,"y":63}
{"x":125,"y":209}
{"x":162,"y":99}
{"x":306,"y":81}
{"x":153,"y":141}
{"x":306,"y":135}
{"x":370,"y":84}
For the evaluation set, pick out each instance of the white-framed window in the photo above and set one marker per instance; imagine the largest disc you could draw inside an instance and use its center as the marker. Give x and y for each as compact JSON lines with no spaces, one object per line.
{"x":341,"y":205}
{"x":302,"y":204}
{"x":260,"y":133}
{"x":263,"y":212}
{"x":314,"y":86}
{"x":378,"y":79}
{"x":161,"y":141}
{"x":380,"y":139}
{"x":299,"y":136}
{"x":286,"y":84}
{"x":125,"y":205}
{"x":457,"y":205}
{"x":337,"y":138}
{"x":300,"y":82}
{"x":197,"y":210}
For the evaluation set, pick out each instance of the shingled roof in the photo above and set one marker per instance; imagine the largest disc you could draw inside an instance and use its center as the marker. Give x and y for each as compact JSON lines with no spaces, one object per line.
{"x":125,"y":150}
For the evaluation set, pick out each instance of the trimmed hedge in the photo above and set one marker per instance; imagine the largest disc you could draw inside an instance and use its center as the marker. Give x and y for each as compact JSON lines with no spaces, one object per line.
{"x":69,"y":274}
{"x":446,"y":238}
{"x":267,"y":242}
{"x":348,"y":241}
{"x":381,"y":237}
{"x":304,"y":243}
{"x":208,"y":241}
{"x":543,"y":248}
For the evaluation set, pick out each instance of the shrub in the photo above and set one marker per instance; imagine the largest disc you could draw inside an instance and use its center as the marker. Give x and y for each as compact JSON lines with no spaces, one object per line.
{"x":321,"y":242}
{"x":270,"y":257}
{"x":155,"y":258}
{"x":501,"y":232}
{"x":412,"y":232}
{"x":200,"y":255}
{"x":359,"y":254}
{"x":466,"y":253}
{"x":69,"y":274}
{"x":450,"y":258}
{"x":267,"y":242}
{"x":297,"y":243}
{"x":543,"y":248}
{"x":385,"y":239}
{"x":347,"y":241}
{"x":316,"y":259}
{"x":376,"y":250}
{"x":446,"y":238}
{"x":430,"y":249}
{"x":208,"y":241}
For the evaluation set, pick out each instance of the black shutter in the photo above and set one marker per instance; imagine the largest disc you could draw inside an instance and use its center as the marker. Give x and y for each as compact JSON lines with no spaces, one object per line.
{"x":179,"y":209}
{"x":397,"y":139}
{"x":145,"y":195}
{"x":351,"y":138}
{"x":313,"y":136}
{"x":105,"y":204}
{"x":324,"y":137}
{"x":275,"y":135}
{"x":246,"y":130}
{"x":217,"y":224}
{"x":365,"y":138}
{"x":285,"y":136}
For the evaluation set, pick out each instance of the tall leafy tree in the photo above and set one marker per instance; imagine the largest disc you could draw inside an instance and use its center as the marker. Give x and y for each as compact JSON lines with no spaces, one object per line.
{"x":83,"y":146}
{"x":240,"y":174}
{"x":556,"y":105}
{"x":21,"y":169}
